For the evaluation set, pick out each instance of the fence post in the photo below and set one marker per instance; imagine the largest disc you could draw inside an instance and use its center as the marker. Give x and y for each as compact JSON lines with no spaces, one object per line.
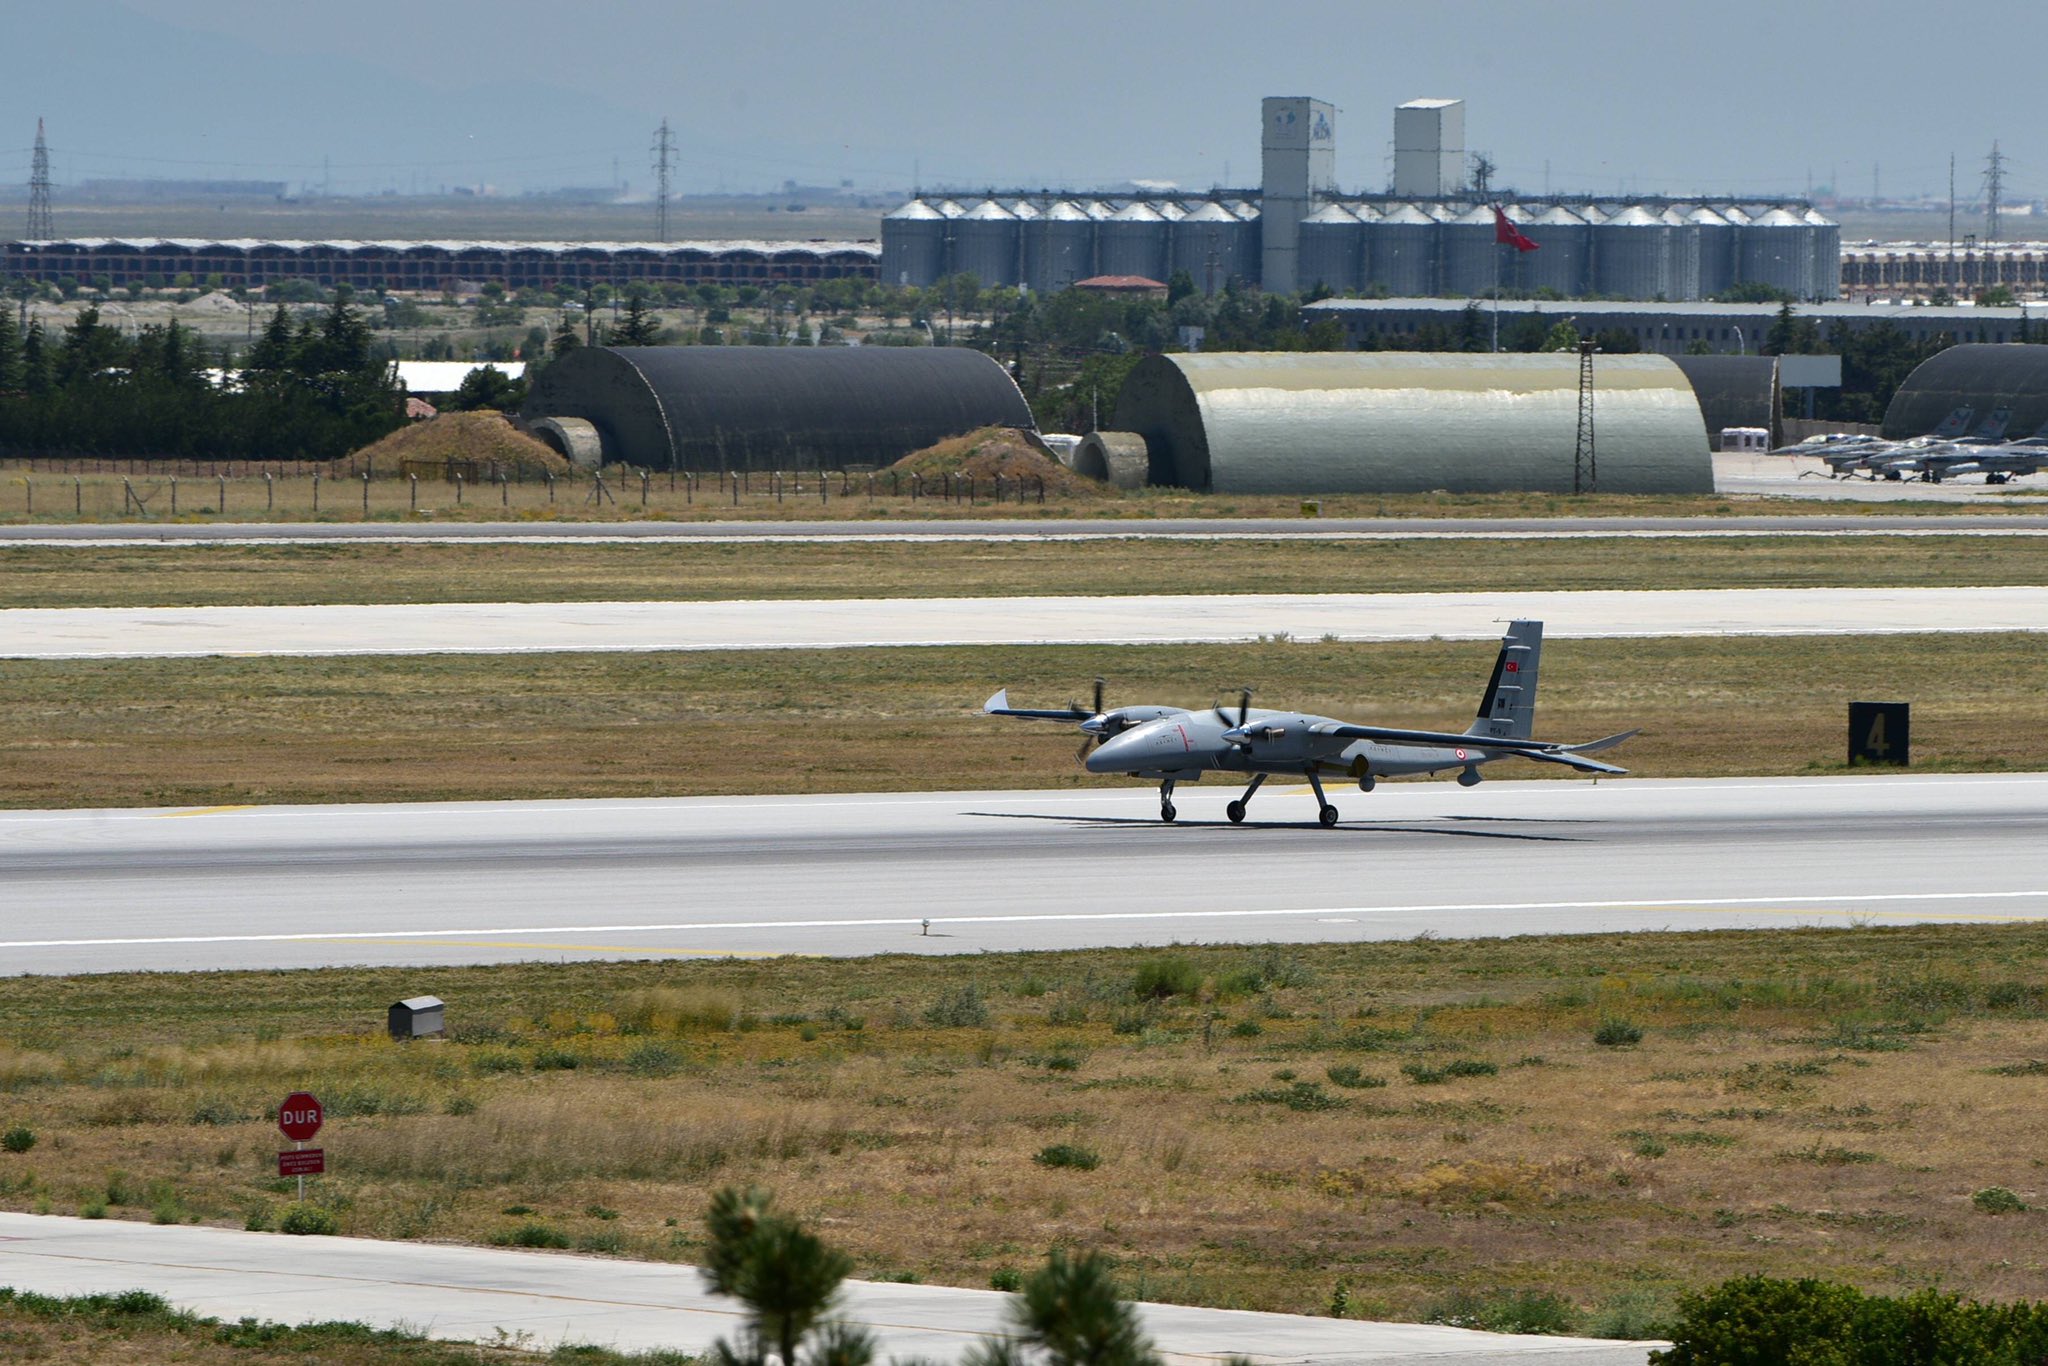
{"x":127,"y":496}
{"x":735,"y":489}
{"x":1041,"y":490}
{"x":316,"y":493}
{"x":415,"y":492}
{"x":778,"y":487}
{"x":824,"y":489}
{"x":504,"y":491}
{"x":551,"y":485}
{"x":77,"y":496}
{"x":174,"y":495}
{"x":689,"y":486}
{"x":30,"y":485}
{"x":458,"y":488}
{"x":366,"y":497}
{"x":269,"y":492}
{"x":223,"y":509}
{"x":644,"y":477}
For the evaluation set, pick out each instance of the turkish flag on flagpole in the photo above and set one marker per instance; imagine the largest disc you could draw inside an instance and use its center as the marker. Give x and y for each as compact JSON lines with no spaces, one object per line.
{"x":1507,"y":234}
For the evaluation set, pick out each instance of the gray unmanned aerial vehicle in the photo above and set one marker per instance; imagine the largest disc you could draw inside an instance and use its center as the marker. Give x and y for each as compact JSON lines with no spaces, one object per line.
{"x":1170,"y":745}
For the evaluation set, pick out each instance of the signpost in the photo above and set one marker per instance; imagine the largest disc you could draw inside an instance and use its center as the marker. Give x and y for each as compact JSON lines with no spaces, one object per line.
{"x":300,"y":1117}
{"x":1880,"y":733}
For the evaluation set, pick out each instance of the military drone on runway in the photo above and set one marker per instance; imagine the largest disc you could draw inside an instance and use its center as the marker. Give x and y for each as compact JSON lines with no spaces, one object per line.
{"x":1171,"y":745}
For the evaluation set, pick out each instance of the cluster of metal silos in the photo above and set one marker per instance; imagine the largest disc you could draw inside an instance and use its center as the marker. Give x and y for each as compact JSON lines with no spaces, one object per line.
{"x":1616,"y":248}
{"x":1046,"y":244}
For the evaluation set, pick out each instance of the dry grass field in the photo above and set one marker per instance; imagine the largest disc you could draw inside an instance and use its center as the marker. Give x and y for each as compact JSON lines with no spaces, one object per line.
{"x":236,"y":575}
{"x":61,"y":491}
{"x":152,"y":732}
{"x":1390,"y":1125}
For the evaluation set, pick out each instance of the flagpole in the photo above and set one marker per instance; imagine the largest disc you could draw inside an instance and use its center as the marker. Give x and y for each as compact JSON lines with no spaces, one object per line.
{"x":1496,"y":296}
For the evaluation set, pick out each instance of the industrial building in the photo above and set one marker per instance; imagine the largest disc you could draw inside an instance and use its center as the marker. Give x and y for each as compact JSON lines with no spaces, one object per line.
{"x":731,"y":408}
{"x":1673,"y":328}
{"x":1977,"y":389}
{"x":1382,"y":422}
{"x":1960,"y":269}
{"x":1429,"y":234}
{"x":250,"y":263}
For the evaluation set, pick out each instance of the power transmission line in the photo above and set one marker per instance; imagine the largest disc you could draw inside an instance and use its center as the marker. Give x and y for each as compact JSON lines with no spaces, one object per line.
{"x":39,"y":229}
{"x":664,"y":162}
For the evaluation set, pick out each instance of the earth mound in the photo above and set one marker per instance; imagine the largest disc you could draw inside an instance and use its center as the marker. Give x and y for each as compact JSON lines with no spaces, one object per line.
{"x":983,"y":454}
{"x":478,"y":445}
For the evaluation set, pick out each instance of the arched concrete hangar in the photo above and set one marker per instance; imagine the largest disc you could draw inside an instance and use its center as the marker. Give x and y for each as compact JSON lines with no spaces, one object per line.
{"x":1408,"y":422}
{"x":2004,"y":386}
{"x":774,"y":407}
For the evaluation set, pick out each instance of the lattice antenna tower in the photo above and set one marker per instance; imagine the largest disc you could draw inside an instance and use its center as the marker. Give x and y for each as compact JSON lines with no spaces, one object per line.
{"x":1994,"y":192}
{"x":1585,"y":468}
{"x":39,"y":229}
{"x":664,"y":162}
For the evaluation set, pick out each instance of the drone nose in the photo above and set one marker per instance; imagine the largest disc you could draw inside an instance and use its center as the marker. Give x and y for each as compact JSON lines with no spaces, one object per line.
{"x":1115,"y":755}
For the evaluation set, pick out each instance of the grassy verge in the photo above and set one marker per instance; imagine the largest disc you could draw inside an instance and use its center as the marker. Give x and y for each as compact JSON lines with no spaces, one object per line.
{"x":206,"y":731}
{"x":52,"y":494}
{"x":1407,"y":1130}
{"x":228,"y":575}
{"x":138,"y":1326}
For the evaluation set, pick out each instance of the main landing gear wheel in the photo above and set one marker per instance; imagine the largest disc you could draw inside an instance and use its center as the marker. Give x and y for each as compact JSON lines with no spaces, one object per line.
{"x":1236,"y":813}
{"x":1325,"y":812}
{"x":1167,"y":813}
{"x":1328,"y":816}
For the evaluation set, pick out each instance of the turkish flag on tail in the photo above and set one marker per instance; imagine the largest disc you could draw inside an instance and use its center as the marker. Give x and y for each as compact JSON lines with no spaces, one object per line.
{"x":1507,"y":234}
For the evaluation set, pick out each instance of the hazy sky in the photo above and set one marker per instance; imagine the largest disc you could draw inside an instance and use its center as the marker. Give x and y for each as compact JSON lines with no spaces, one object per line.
{"x":1727,"y":96}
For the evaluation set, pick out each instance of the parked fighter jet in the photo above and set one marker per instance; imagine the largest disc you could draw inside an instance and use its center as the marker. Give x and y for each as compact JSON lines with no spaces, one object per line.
{"x":1169,"y":745}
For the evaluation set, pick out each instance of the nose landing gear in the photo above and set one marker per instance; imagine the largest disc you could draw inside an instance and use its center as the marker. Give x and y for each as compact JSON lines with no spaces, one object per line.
{"x":1166,"y":811}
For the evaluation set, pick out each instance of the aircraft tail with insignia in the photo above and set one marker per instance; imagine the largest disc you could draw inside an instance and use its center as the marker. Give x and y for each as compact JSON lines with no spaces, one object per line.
{"x":1508,"y":710}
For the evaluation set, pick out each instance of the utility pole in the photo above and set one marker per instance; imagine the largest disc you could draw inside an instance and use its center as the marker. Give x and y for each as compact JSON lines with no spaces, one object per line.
{"x":39,"y":229}
{"x":664,"y":161}
{"x":1994,"y":187}
{"x":1585,"y":469}
{"x":1951,"y":220}
{"x":1482,"y":174}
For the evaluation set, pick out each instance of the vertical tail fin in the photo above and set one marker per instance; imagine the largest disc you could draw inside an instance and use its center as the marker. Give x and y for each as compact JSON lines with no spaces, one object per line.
{"x":1508,"y":710}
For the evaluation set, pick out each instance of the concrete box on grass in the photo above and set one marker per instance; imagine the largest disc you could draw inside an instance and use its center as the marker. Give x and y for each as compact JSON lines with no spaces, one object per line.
{"x":417,"y":1018}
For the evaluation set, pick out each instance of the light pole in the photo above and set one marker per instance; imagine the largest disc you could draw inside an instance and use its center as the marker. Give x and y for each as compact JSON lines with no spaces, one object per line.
{"x":1741,"y":349}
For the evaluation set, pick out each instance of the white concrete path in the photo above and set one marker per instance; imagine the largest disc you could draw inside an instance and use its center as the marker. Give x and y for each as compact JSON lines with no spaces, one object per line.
{"x":510,"y":628}
{"x":476,"y":1293}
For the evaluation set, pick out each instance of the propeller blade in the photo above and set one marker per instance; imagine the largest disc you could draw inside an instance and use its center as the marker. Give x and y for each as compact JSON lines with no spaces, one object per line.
{"x":1081,"y":754}
{"x":1244,"y":707}
{"x":1100,"y":686}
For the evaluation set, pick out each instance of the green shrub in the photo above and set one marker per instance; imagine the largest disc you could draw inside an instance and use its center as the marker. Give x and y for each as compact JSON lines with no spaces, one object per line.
{"x":19,"y":1139}
{"x":1351,"y":1078}
{"x":308,"y":1220}
{"x":95,"y":1208}
{"x":555,"y":1060}
{"x":607,"y":1241}
{"x":530,"y":1234}
{"x":1068,"y":1155}
{"x":258,"y":1219}
{"x":459,"y":1106}
{"x":490,"y":1060}
{"x":654,"y":1060}
{"x":1998,"y":1200}
{"x":1755,"y":1321}
{"x":1006,"y":1278}
{"x":1247,"y":1029}
{"x":1160,"y":978}
{"x":1505,"y":1311}
{"x":961,"y":1008}
{"x":1305,"y":1096}
{"x":1614,"y":1033}
{"x":1423,"y":1075}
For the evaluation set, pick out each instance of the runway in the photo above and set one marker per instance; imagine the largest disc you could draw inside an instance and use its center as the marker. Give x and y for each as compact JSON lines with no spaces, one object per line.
{"x":474,"y":1293}
{"x":823,"y":624}
{"x":281,"y":887}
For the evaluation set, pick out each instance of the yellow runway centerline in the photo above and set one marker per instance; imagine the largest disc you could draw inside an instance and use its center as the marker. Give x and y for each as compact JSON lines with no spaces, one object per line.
{"x":203,"y":811}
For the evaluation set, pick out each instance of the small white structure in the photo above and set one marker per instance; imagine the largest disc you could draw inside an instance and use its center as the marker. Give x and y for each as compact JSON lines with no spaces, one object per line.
{"x":1753,"y":440}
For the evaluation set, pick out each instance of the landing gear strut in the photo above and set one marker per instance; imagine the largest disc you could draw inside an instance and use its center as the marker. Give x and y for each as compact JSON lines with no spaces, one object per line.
{"x":1166,"y":811}
{"x":1236,"y":809}
{"x":1325,"y":813}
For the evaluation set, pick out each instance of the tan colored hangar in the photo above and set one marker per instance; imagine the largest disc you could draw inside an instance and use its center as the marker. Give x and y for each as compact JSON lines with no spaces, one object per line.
{"x":1407,"y":422}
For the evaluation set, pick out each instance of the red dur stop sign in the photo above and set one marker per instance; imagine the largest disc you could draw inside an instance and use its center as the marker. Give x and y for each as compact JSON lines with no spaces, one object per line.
{"x":300,"y":1116}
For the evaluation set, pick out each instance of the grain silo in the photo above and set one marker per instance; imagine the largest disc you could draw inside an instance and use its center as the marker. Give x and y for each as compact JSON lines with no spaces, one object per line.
{"x":1685,"y":255}
{"x":1470,"y":255}
{"x":1718,"y":249}
{"x":1214,"y":246}
{"x":1402,"y":252}
{"x":1397,"y":422}
{"x":1559,"y":262}
{"x":1632,"y":255}
{"x":913,"y":244}
{"x":1332,"y":241}
{"x":1777,"y":250}
{"x":1059,"y":247}
{"x":775,"y":407}
{"x":987,"y":244}
{"x":1827,"y":256}
{"x":1133,"y":241}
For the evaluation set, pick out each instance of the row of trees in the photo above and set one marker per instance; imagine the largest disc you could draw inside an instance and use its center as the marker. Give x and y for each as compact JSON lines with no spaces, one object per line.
{"x":314,"y":388}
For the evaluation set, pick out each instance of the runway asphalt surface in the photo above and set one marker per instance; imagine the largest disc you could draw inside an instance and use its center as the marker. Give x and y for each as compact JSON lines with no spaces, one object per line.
{"x":472,"y":1293}
{"x":266,"y":887}
{"x":819,"y":624}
